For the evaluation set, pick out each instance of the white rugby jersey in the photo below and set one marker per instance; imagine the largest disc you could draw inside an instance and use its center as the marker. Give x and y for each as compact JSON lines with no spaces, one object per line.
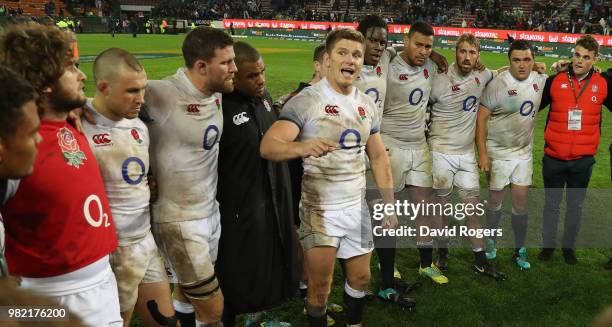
{"x":185,"y":134}
{"x":336,"y":180}
{"x":408,"y":89}
{"x":373,"y":79}
{"x":455,"y":99}
{"x":513,"y":105}
{"x":122,"y":150}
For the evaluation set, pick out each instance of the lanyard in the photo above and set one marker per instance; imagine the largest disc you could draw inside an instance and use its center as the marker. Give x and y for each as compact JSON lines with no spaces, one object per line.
{"x":572,"y":85}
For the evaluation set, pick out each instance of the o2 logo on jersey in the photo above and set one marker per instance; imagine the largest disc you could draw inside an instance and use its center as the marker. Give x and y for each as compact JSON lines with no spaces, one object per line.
{"x":125,"y":170}
{"x":415,"y":96}
{"x":527,"y":108}
{"x":210,"y":140}
{"x":374,"y":94}
{"x":100,"y":217}
{"x":469,"y":104}
{"x":346,"y":133}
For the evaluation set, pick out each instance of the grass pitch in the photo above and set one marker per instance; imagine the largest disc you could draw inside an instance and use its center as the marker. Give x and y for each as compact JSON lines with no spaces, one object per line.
{"x":550,"y":294}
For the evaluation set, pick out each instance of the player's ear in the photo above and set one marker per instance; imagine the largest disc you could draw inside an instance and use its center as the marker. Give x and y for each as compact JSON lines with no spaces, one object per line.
{"x":200,"y":66}
{"x":326,"y":62}
{"x":102,"y":86}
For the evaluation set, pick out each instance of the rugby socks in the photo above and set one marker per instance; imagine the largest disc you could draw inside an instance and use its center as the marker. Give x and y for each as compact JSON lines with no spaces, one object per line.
{"x":426,"y":253}
{"x":317,"y":316}
{"x":353,"y":300}
{"x":480,"y":257}
{"x":303,"y":289}
{"x":443,"y":245}
{"x":493,"y":219}
{"x":519,"y":225}
{"x":386,"y":257}
{"x":184,"y":313}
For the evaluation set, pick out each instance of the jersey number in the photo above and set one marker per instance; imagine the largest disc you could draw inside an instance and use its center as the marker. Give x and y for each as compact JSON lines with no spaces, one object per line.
{"x":101,"y":217}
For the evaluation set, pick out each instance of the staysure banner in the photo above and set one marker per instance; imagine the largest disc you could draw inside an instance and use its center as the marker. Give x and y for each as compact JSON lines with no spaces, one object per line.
{"x":400,"y":29}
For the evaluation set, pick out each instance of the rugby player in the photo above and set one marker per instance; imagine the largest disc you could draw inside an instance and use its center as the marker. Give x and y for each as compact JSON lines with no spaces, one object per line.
{"x":373,"y":82}
{"x":60,"y":245}
{"x":19,"y":124}
{"x":504,"y":138}
{"x":335,"y":126}
{"x":455,"y":97}
{"x":185,"y":127}
{"x":120,"y":142}
{"x":409,"y":85}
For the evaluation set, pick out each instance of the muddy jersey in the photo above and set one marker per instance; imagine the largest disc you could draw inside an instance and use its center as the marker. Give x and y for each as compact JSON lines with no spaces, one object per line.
{"x":513,"y":105}
{"x":455,"y":99}
{"x":185,"y":130}
{"x":373,"y":79}
{"x":336,"y":180}
{"x":408,"y":89}
{"x":122,"y":150}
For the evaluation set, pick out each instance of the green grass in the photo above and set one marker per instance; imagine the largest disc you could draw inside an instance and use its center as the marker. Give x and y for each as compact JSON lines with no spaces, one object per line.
{"x":551,"y":294}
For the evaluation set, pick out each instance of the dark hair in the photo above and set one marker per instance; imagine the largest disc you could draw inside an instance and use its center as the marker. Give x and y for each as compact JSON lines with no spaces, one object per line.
{"x":110,"y":59}
{"x":15,"y":92}
{"x":422,"y":28}
{"x":370,"y":21}
{"x":342,"y":34}
{"x":201,"y":43}
{"x":39,"y":53}
{"x":318,"y":53}
{"x":245,"y":53}
{"x":588,"y":42}
{"x":520,"y":45}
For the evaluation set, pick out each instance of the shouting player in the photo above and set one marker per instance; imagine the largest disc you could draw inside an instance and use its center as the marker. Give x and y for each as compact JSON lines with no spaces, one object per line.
{"x":335,"y":126}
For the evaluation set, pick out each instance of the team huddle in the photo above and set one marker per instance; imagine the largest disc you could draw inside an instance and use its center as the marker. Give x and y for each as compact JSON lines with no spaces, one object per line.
{"x":130,"y":194}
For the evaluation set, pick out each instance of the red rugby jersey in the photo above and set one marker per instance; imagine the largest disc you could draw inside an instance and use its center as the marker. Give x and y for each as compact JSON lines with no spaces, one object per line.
{"x":58,"y":220}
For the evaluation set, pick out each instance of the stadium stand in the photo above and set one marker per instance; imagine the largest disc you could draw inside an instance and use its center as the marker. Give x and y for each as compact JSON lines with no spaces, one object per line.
{"x":570,"y":16}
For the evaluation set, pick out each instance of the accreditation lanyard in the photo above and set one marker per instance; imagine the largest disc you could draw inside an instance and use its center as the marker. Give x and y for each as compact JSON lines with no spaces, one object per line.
{"x":574,"y":115}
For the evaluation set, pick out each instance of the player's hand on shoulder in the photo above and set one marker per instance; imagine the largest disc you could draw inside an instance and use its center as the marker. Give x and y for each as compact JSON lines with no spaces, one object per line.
{"x":540,"y":67}
{"x":560,"y":66}
{"x":76,"y":116}
{"x":440,"y":61}
{"x":316,"y":147}
{"x":480,"y":66}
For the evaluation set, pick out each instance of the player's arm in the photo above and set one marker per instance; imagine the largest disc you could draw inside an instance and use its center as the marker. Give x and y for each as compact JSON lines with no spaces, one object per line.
{"x":546,"y":98}
{"x":381,"y":170}
{"x":499,"y":70}
{"x":440,"y":61}
{"x":481,"y":138}
{"x":279,"y":143}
